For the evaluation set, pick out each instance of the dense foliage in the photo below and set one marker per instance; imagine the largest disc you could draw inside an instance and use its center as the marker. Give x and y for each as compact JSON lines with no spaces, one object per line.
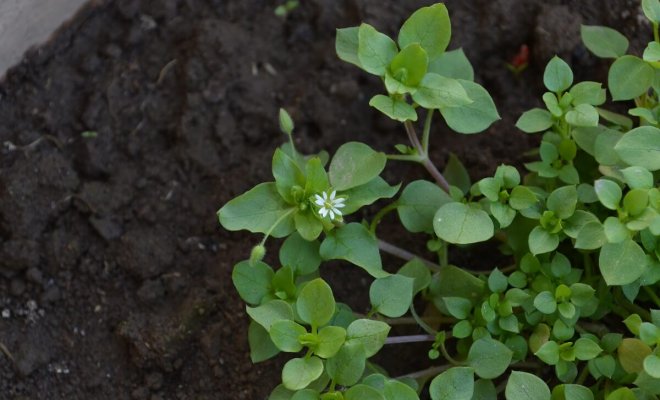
{"x":572,"y":317}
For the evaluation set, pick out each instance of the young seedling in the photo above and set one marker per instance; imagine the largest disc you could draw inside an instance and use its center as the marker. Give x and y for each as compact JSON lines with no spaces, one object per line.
{"x":580,"y":230}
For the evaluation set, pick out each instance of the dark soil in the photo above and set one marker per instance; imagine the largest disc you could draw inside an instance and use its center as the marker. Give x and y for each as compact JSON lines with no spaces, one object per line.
{"x":114,"y":274}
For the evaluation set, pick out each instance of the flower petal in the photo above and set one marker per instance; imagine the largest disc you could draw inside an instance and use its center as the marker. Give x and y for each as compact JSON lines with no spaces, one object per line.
{"x":323,"y":211}
{"x":325,"y":196}
{"x":341,"y":205}
{"x":337,"y":212}
{"x":332,"y":215}
{"x":333,"y":194}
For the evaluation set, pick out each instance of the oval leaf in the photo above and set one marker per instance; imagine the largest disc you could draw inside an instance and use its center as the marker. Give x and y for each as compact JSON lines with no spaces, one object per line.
{"x":459,"y":223}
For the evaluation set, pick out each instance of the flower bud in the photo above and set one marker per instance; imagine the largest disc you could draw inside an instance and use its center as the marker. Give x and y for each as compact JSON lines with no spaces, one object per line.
{"x":257,"y":254}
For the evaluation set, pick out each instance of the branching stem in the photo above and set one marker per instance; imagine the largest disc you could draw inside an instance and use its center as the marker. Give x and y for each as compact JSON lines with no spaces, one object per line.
{"x":405,"y":254}
{"x":409,"y":339}
{"x":426,"y":162}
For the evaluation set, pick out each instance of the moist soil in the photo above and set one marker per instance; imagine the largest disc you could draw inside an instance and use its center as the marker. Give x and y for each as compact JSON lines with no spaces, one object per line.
{"x":123,"y":136}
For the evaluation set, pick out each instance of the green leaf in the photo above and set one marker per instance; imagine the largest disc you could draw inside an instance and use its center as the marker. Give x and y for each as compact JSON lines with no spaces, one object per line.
{"x":489,"y":358}
{"x":541,"y":241}
{"x":604,"y":42}
{"x":622,"y":263}
{"x":396,"y":109}
{"x":604,"y":147}
{"x":588,"y":93}
{"x":285,"y":334}
{"x":269,"y":313}
{"x":545,"y":302}
{"x":557,"y":76}
{"x":572,"y":392}
{"x":257,"y":211}
{"x":459,"y":223}
{"x":652,"y":52}
{"x":368,"y":193}
{"x":583,"y":115}
{"x":548,"y":353}
{"x":355,"y":164}
{"x":354,"y":243}
{"x":641,"y":147}
{"x":375,"y":50}
{"x":474,"y":117}
{"x":370,"y":333}
{"x":418,"y":271}
{"x":317,"y":178}
{"x":287,"y":174}
{"x":497,"y":281}
{"x":347,"y":366}
{"x":651,"y":9}
{"x":522,"y":198}
{"x":591,"y":236}
{"x":484,"y":389}
{"x":253,"y":282}
{"x":418,"y":204}
{"x":306,"y":394}
{"x":298,"y":373}
{"x":622,"y":394}
{"x":331,"y":338}
{"x":395,"y":390}
{"x":456,"y":383}
{"x":616,"y":118}
{"x":316,"y":304}
{"x":462,"y":329}
{"x":608,"y":192}
{"x":452,"y":64}
{"x":629,"y":77}
{"x":452,"y":281}
{"x":346,"y":45}
{"x":526,"y":386}
{"x":552,"y":104}
{"x":458,"y":307}
{"x":535,"y":120}
{"x":428,"y":26}
{"x":363,"y":392}
{"x":652,"y":366}
{"x":456,"y":174}
{"x":410,"y":65}
{"x":436,"y":91}
{"x":615,"y":231}
{"x":301,"y":255}
{"x":261,"y":346}
{"x":392,"y":295}
{"x":562,"y":201}
{"x":647,"y":383}
{"x":638,"y":177}
{"x":308,"y":225}
{"x":631,"y":353}
{"x":586,"y":349}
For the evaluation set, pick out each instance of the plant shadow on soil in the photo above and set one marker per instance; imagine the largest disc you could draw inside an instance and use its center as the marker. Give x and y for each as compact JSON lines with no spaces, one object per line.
{"x":115,"y":278}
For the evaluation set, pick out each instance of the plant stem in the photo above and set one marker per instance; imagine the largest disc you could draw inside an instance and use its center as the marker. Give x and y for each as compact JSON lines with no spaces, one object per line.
{"x":628,"y":307}
{"x":426,"y":162}
{"x":425,"y":373}
{"x":448,"y":357}
{"x":409,"y":339}
{"x":656,"y":37}
{"x":277,"y":222}
{"x":652,"y":295}
{"x":405,"y":157}
{"x":379,"y":216}
{"x":405,"y":254}
{"x":421,"y":322}
{"x":427,"y":131}
{"x":413,"y":321}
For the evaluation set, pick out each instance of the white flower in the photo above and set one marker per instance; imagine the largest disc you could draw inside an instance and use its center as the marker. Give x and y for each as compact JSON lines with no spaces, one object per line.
{"x":330,"y":205}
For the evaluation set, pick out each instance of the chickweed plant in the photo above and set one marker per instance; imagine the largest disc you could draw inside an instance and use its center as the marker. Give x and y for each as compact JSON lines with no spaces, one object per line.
{"x":574,"y":314}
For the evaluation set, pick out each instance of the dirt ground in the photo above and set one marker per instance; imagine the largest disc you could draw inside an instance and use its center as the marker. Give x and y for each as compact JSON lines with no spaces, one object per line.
{"x":123,"y":136}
